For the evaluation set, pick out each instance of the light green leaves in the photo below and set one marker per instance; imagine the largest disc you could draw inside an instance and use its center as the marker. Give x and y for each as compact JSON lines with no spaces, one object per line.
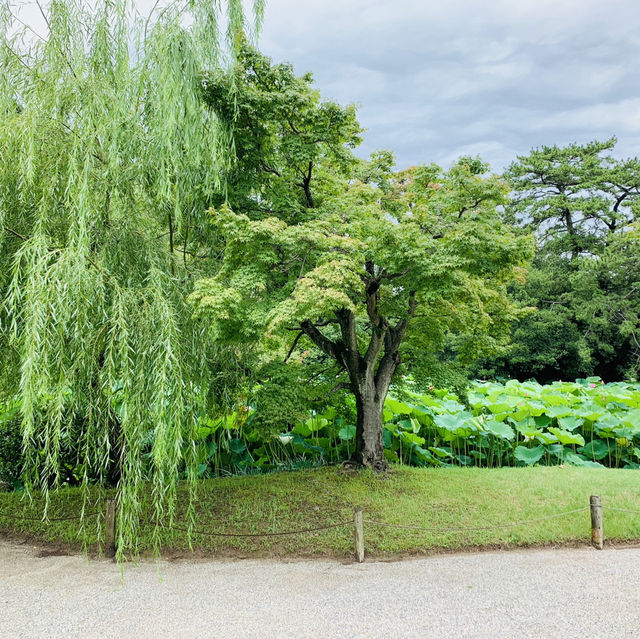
{"x":109,"y":162}
{"x":499,"y":429}
{"x":529,"y":456}
{"x":570,"y":423}
{"x":567,"y":438}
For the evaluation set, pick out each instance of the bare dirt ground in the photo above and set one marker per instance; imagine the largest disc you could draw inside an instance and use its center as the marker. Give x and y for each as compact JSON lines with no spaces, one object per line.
{"x":581,"y":593}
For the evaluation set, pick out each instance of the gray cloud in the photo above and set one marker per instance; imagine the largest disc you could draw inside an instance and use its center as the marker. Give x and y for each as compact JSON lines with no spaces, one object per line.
{"x":437,"y":80}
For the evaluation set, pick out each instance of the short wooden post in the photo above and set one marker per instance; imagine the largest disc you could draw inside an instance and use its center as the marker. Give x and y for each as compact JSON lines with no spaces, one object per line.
{"x":358,"y":535}
{"x":597,"y":536}
{"x":110,"y":528}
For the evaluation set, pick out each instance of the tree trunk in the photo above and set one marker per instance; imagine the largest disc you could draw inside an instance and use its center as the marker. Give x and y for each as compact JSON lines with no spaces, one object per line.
{"x":369,"y":386}
{"x":369,"y":448}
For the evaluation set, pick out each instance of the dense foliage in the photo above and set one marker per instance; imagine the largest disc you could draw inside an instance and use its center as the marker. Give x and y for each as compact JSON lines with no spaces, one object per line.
{"x":370,"y":267}
{"x":583,"y":207}
{"x":586,"y":423}
{"x":10,"y":446}
{"x":108,"y":164}
{"x":583,"y":423}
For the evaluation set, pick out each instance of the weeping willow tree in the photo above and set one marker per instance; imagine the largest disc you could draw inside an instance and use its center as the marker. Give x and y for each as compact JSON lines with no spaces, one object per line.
{"x":108,"y":162}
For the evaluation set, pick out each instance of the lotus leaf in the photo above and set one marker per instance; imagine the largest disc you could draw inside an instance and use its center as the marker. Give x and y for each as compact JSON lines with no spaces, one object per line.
{"x":565,"y":437}
{"x":529,"y":456}
{"x":499,"y":429}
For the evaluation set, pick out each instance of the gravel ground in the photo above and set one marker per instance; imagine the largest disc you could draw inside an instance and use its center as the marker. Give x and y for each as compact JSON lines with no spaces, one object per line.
{"x":564,"y":593}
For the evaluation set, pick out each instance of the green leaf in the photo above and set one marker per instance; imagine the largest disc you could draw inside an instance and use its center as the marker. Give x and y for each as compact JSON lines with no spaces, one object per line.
{"x":237,"y":446}
{"x":529,"y":455}
{"x":315,"y":424}
{"x":412,"y":438}
{"x":565,"y":437}
{"x":425,"y":455}
{"x":301,"y":428}
{"x":546,"y":438}
{"x":501,"y":407}
{"x":591,"y":411}
{"x":397,"y":407}
{"x":464,"y":460}
{"x":558,"y":411}
{"x":347,"y":433}
{"x":555,"y":402}
{"x":542,"y":421}
{"x":596,"y":449}
{"x":570,"y":423}
{"x":577,"y":460}
{"x":499,"y":429}
{"x":441,"y":452}
{"x":452,"y":422}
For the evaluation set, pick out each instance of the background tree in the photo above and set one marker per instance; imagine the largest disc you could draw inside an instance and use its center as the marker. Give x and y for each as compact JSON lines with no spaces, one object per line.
{"x":108,"y":163}
{"x":369,"y":267}
{"x":580,"y":203}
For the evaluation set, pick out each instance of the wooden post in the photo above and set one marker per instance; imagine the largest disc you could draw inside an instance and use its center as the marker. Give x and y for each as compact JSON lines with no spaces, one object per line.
{"x":358,"y":535}
{"x":597,"y":536}
{"x":110,"y":528}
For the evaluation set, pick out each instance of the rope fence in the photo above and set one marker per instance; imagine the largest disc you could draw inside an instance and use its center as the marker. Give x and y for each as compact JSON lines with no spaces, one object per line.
{"x":473,"y":528}
{"x":595,"y":507}
{"x":622,"y":510}
{"x":283,"y":533}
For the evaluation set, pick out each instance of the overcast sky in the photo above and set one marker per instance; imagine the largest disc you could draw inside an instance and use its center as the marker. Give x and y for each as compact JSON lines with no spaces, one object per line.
{"x":436,"y":80}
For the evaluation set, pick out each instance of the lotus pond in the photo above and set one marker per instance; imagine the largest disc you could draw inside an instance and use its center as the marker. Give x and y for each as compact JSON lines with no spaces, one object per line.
{"x":581,"y":423}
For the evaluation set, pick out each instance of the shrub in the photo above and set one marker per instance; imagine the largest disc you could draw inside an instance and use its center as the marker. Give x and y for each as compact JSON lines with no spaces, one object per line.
{"x":10,"y":450}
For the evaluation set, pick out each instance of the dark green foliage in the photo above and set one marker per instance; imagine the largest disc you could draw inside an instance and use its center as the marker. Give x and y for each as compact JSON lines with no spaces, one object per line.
{"x":281,"y":132}
{"x":281,"y":399}
{"x":586,"y":423}
{"x":11,"y":458}
{"x":582,"y":206}
{"x":369,"y":269}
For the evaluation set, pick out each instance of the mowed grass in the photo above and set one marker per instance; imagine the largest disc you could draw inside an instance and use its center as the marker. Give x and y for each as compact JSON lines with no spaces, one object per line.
{"x":482,"y":502}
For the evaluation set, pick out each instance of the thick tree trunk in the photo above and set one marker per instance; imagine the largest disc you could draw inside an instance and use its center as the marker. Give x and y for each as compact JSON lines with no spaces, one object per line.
{"x":369,"y":448}
{"x":370,"y":374}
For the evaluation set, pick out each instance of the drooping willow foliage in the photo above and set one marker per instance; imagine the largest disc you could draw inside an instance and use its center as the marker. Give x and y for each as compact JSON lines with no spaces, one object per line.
{"x":108,"y":162}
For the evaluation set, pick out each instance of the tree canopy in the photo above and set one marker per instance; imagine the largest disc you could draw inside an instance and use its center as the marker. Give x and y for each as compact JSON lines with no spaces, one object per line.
{"x":371,"y":267}
{"x":109,"y":162}
{"x":582,"y":205}
{"x":187,"y":234}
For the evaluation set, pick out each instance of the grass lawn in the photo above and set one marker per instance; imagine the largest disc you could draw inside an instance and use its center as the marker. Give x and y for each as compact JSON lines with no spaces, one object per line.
{"x":433,"y":498}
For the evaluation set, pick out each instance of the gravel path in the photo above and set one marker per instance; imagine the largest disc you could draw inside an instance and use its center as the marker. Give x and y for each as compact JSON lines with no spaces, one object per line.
{"x":567,"y":593}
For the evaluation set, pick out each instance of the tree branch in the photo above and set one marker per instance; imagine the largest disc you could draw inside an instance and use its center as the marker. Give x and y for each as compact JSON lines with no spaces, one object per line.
{"x":392,"y":340}
{"x":293,"y":346}
{"x":306,"y":182}
{"x":24,"y":239}
{"x":379,"y":325}
{"x":350,"y":339}
{"x":327,"y":346}
{"x":15,"y":233}
{"x":394,"y":276}
{"x":269,"y":169}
